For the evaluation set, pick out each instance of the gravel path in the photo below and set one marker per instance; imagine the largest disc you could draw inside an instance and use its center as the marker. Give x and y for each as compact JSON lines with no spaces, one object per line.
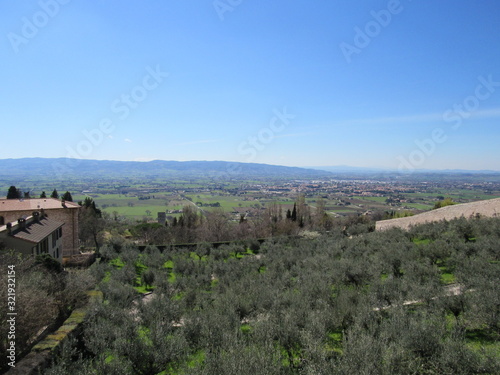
{"x":449,"y":290}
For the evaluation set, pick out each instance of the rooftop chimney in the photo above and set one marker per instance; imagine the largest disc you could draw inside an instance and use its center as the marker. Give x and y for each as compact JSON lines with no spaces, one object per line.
{"x":22,"y":223}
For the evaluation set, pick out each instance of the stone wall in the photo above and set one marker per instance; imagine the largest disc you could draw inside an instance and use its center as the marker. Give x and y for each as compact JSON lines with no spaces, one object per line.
{"x":41,"y":354}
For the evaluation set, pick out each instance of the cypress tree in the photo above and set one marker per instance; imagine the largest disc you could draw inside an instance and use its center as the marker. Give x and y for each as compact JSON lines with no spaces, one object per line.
{"x":294,"y":212}
{"x":13,"y":193}
{"x":87,"y":202}
{"x":67,"y":197}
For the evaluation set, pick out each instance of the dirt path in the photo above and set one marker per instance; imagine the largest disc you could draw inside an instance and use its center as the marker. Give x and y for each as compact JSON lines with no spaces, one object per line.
{"x":449,"y":290}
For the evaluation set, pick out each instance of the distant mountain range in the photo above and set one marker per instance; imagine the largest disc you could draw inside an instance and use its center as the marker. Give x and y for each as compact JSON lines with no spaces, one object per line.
{"x":62,"y":168}
{"x":349,"y":169}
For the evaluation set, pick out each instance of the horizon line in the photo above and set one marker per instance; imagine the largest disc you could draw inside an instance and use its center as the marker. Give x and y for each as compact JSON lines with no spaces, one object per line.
{"x":368,"y":168}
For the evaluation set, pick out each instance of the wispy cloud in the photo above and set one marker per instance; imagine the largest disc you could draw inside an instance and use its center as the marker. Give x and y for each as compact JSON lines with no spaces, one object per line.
{"x":197,"y":142}
{"x":422,"y":117}
{"x":487,"y":113}
{"x":295,"y":135}
{"x":127,"y":140}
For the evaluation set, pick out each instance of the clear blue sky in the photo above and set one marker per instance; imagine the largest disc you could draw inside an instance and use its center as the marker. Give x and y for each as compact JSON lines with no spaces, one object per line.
{"x":409,"y":84}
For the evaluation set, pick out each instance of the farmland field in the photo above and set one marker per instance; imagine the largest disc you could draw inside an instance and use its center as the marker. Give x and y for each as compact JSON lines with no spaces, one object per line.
{"x":135,"y":199}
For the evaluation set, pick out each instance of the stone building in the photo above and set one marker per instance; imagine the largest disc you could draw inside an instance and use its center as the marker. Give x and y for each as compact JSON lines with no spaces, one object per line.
{"x":34,"y":235}
{"x":11,"y":210}
{"x":162,"y":218}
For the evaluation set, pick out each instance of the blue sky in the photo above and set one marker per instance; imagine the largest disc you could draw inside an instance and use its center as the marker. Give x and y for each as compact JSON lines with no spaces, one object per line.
{"x":394,"y":84}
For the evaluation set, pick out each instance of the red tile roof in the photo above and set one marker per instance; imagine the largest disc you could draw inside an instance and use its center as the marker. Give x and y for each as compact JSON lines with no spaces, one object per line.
{"x":34,"y":204}
{"x":35,"y":232}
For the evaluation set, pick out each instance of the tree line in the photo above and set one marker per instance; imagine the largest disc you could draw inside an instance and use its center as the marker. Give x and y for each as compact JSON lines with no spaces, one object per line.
{"x":15,"y":193}
{"x":196,"y":225}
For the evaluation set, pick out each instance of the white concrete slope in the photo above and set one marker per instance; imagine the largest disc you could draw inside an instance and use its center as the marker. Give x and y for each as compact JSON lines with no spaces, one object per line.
{"x":486,"y":208}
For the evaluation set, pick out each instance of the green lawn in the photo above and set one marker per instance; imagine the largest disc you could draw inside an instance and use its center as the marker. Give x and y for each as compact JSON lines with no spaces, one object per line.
{"x":480,"y":339}
{"x":418,"y":206}
{"x":373,"y":199}
{"x":132,"y":207}
{"x":447,"y":276}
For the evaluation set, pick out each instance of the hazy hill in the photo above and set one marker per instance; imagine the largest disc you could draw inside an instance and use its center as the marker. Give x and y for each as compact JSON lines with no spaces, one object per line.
{"x":63,"y":167}
{"x":367,"y":170}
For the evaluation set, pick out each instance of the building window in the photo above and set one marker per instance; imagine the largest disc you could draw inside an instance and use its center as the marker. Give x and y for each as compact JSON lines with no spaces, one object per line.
{"x":60,"y":232}
{"x":2,"y":220}
{"x":44,"y":246}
